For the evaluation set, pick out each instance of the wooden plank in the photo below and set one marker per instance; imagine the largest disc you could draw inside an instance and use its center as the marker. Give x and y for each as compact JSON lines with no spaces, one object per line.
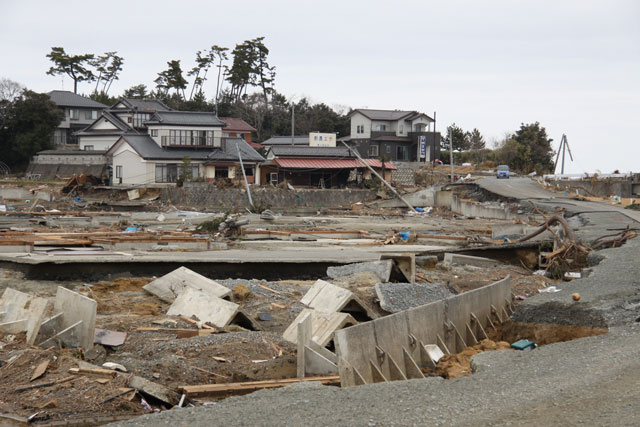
{"x":212,"y":389}
{"x":94,"y":371}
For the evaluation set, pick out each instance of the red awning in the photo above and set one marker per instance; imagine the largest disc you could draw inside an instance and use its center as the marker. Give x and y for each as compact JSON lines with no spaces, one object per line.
{"x":330,"y":163}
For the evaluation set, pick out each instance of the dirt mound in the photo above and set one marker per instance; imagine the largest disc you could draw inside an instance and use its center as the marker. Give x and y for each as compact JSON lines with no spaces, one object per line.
{"x":543,"y":333}
{"x":459,"y":365}
{"x":122,"y":284}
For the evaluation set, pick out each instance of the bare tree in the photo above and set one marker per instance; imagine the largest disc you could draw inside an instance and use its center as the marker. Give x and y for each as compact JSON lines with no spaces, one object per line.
{"x":9,"y":89}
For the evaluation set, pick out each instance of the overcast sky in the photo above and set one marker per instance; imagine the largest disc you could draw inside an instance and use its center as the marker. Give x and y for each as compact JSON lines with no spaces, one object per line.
{"x":574,"y":66}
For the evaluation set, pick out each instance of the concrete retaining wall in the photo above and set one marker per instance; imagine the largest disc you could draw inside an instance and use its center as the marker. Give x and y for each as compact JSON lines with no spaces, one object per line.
{"x":449,"y":322}
{"x":603,"y":188}
{"x":208,"y":195}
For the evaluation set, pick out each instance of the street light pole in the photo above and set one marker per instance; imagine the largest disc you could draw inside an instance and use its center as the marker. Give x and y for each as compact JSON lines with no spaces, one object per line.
{"x":451,"y":151}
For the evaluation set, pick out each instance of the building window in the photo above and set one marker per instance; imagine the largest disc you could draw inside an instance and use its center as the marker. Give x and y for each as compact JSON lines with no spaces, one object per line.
{"x":74,"y":114}
{"x":154,"y":132}
{"x":91,"y":114}
{"x":401,"y":129}
{"x":403,"y":153}
{"x":381,"y":128}
{"x":373,"y":151}
{"x":222,"y":172}
{"x":388,"y":149}
{"x":118,"y":171}
{"x":171,"y":172}
{"x":360,"y":129}
{"x":88,"y":148}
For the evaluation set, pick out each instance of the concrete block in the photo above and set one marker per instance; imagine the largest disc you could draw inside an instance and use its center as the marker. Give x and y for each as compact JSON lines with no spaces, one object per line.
{"x":382,"y":269}
{"x":396,"y":297}
{"x":169,"y":286}
{"x":208,"y":308}
{"x":328,"y":298}
{"x":323,"y":326}
{"x":406,"y":263}
{"x":75,"y":307}
{"x":469,"y":260}
{"x":18,"y":306}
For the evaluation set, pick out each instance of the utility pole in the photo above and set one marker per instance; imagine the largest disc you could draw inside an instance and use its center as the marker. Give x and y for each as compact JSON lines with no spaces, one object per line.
{"x":564,"y":146}
{"x":244,"y":175}
{"x":293,"y":123}
{"x":384,"y":181}
{"x":451,"y":151}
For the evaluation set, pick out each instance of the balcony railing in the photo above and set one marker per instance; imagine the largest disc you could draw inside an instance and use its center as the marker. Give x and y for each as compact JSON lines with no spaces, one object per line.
{"x":191,"y":141}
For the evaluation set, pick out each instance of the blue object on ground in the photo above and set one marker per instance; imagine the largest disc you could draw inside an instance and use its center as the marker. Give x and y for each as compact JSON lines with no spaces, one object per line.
{"x":404,"y":235}
{"x":523,"y":345}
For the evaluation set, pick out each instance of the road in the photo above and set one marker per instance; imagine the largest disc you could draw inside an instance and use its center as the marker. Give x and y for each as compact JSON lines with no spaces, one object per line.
{"x":527,"y":189}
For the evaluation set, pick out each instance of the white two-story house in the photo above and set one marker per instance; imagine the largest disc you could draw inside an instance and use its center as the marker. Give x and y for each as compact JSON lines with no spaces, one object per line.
{"x":397,"y":135}
{"x":178,"y":143}
{"x":127,"y":116}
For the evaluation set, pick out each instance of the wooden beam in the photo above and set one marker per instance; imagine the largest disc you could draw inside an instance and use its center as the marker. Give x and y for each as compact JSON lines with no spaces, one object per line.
{"x":214,"y":389}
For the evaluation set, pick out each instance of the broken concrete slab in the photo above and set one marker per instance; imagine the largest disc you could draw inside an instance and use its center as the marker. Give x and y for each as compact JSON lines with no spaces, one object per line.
{"x":396,"y":297}
{"x":380,"y":268}
{"x":323,"y":325}
{"x":155,"y":390}
{"x":18,"y":306}
{"x":169,"y":286}
{"x":109,"y":338}
{"x":209,"y":308}
{"x":470,"y":260}
{"x":74,"y":308}
{"x":328,"y":298}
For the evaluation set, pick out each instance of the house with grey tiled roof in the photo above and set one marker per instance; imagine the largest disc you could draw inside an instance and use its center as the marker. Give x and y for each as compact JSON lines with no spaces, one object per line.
{"x":158,"y":155}
{"x":79,"y":111}
{"x":398,"y":135}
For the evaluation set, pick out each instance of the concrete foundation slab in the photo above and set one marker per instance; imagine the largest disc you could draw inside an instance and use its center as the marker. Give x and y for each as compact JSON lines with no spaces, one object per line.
{"x":396,"y":297}
{"x":208,"y":308}
{"x":75,"y":307}
{"x":470,"y":260}
{"x":169,"y":286}
{"x":68,"y":337}
{"x":323,"y":325}
{"x":382,"y":269}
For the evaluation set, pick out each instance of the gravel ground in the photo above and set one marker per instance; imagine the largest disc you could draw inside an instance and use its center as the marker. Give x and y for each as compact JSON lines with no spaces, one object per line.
{"x":594,"y":381}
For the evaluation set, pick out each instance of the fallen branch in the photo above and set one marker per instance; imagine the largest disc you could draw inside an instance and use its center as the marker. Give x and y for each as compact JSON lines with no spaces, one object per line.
{"x":568,"y":231}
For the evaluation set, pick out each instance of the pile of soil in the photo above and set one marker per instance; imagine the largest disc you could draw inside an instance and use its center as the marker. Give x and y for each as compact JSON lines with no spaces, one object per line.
{"x":459,"y":365}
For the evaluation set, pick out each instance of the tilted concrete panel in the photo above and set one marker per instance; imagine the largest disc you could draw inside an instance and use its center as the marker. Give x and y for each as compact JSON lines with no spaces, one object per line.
{"x":75,"y":308}
{"x":22,"y":309}
{"x":204,"y":306}
{"x":169,"y":286}
{"x":323,"y":325}
{"x":392,"y":334}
